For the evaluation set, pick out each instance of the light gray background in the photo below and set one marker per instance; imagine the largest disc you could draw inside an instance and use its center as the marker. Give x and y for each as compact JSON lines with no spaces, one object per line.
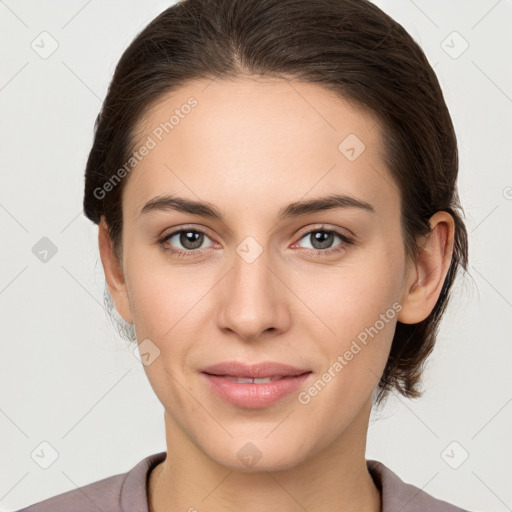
{"x":66,"y":377}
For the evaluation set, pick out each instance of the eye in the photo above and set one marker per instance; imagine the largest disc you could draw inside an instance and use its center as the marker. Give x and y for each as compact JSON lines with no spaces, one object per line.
{"x":321,"y":241}
{"x":190,"y":240}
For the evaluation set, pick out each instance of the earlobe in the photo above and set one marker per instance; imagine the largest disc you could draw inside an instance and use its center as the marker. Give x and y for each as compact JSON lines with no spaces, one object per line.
{"x":114,"y":275}
{"x":427,"y":274}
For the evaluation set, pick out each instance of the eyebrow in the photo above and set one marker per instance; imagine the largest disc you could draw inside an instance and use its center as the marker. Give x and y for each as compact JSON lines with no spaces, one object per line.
{"x":296,"y":209}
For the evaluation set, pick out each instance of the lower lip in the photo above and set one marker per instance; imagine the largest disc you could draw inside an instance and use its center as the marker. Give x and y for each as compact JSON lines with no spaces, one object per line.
{"x":251,"y":395}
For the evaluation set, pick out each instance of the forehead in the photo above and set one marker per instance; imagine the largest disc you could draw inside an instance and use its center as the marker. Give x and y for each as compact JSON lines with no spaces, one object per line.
{"x":220,"y":140}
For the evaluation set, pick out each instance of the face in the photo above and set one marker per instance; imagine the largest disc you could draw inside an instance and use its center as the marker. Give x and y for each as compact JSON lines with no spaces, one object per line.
{"x":319,"y":289}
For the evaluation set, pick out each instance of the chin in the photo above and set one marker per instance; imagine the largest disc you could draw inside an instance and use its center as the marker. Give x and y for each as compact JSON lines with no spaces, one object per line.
{"x":258,"y":455}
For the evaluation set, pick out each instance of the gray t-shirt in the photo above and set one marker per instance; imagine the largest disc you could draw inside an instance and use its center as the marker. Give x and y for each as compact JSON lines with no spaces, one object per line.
{"x":127,"y":492}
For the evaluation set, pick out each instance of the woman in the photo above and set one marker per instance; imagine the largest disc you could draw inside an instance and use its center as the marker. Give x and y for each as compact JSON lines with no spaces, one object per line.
{"x":274,"y":183}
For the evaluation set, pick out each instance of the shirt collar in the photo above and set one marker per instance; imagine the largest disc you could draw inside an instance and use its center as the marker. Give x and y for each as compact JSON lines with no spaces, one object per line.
{"x":396,"y":495}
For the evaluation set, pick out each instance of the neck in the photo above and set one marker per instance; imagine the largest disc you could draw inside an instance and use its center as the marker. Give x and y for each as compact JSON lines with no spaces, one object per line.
{"x":336,"y":478}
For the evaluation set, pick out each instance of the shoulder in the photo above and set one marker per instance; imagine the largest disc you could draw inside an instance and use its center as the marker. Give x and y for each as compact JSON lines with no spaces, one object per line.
{"x":119,"y":493}
{"x":100,"y":495}
{"x":399,"y":495}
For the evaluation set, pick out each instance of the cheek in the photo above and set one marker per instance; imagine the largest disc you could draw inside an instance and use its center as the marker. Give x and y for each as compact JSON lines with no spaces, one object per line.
{"x":354,"y":359}
{"x":165,"y":304}
{"x":346,"y":299}
{"x":163,"y":295}
{"x":356,"y":308}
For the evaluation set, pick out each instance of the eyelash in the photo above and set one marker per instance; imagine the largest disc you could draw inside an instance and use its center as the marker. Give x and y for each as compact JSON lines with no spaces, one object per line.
{"x":193,"y":253}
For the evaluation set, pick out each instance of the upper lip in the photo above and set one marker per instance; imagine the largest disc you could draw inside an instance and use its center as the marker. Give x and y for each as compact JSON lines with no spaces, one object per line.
{"x":254,"y":371}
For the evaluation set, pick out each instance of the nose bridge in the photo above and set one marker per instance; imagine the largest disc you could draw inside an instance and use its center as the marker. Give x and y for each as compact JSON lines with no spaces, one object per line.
{"x":251,"y":267}
{"x":252,"y":302}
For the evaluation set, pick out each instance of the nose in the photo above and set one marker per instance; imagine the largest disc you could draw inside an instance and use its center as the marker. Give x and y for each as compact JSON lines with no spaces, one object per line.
{"x":254,"y":299}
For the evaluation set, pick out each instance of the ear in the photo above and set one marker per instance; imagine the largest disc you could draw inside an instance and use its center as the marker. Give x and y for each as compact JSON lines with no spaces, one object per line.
{"x":426,"y":276}
{"x":113,"y":273}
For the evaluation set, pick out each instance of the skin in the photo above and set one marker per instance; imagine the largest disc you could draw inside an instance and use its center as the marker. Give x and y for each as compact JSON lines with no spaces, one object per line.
{"x":251,"y":147}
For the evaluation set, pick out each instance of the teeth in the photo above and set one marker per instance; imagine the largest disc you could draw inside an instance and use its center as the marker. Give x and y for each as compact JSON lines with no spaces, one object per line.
{"x":248,"y":380}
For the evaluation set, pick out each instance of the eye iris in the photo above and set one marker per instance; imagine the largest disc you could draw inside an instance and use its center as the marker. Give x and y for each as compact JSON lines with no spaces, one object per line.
{"x":192,"y":237}
{"x":323,"y":238}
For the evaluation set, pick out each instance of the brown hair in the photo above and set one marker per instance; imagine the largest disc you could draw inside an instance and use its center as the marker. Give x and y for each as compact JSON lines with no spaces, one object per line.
{"x":350,"y":47}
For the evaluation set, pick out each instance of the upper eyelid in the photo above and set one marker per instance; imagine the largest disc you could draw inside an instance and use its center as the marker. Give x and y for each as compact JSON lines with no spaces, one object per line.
{"x":186,"y":228}
{"x":175,"y":232}
{"x":324,"y":227}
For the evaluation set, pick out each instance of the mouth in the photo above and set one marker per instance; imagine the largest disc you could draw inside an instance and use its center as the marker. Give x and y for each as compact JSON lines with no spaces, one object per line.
{"x":249,"y":380}
{"x":254,"y":386}
{"x":256,"y":372}
{"x":255,"y":380}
